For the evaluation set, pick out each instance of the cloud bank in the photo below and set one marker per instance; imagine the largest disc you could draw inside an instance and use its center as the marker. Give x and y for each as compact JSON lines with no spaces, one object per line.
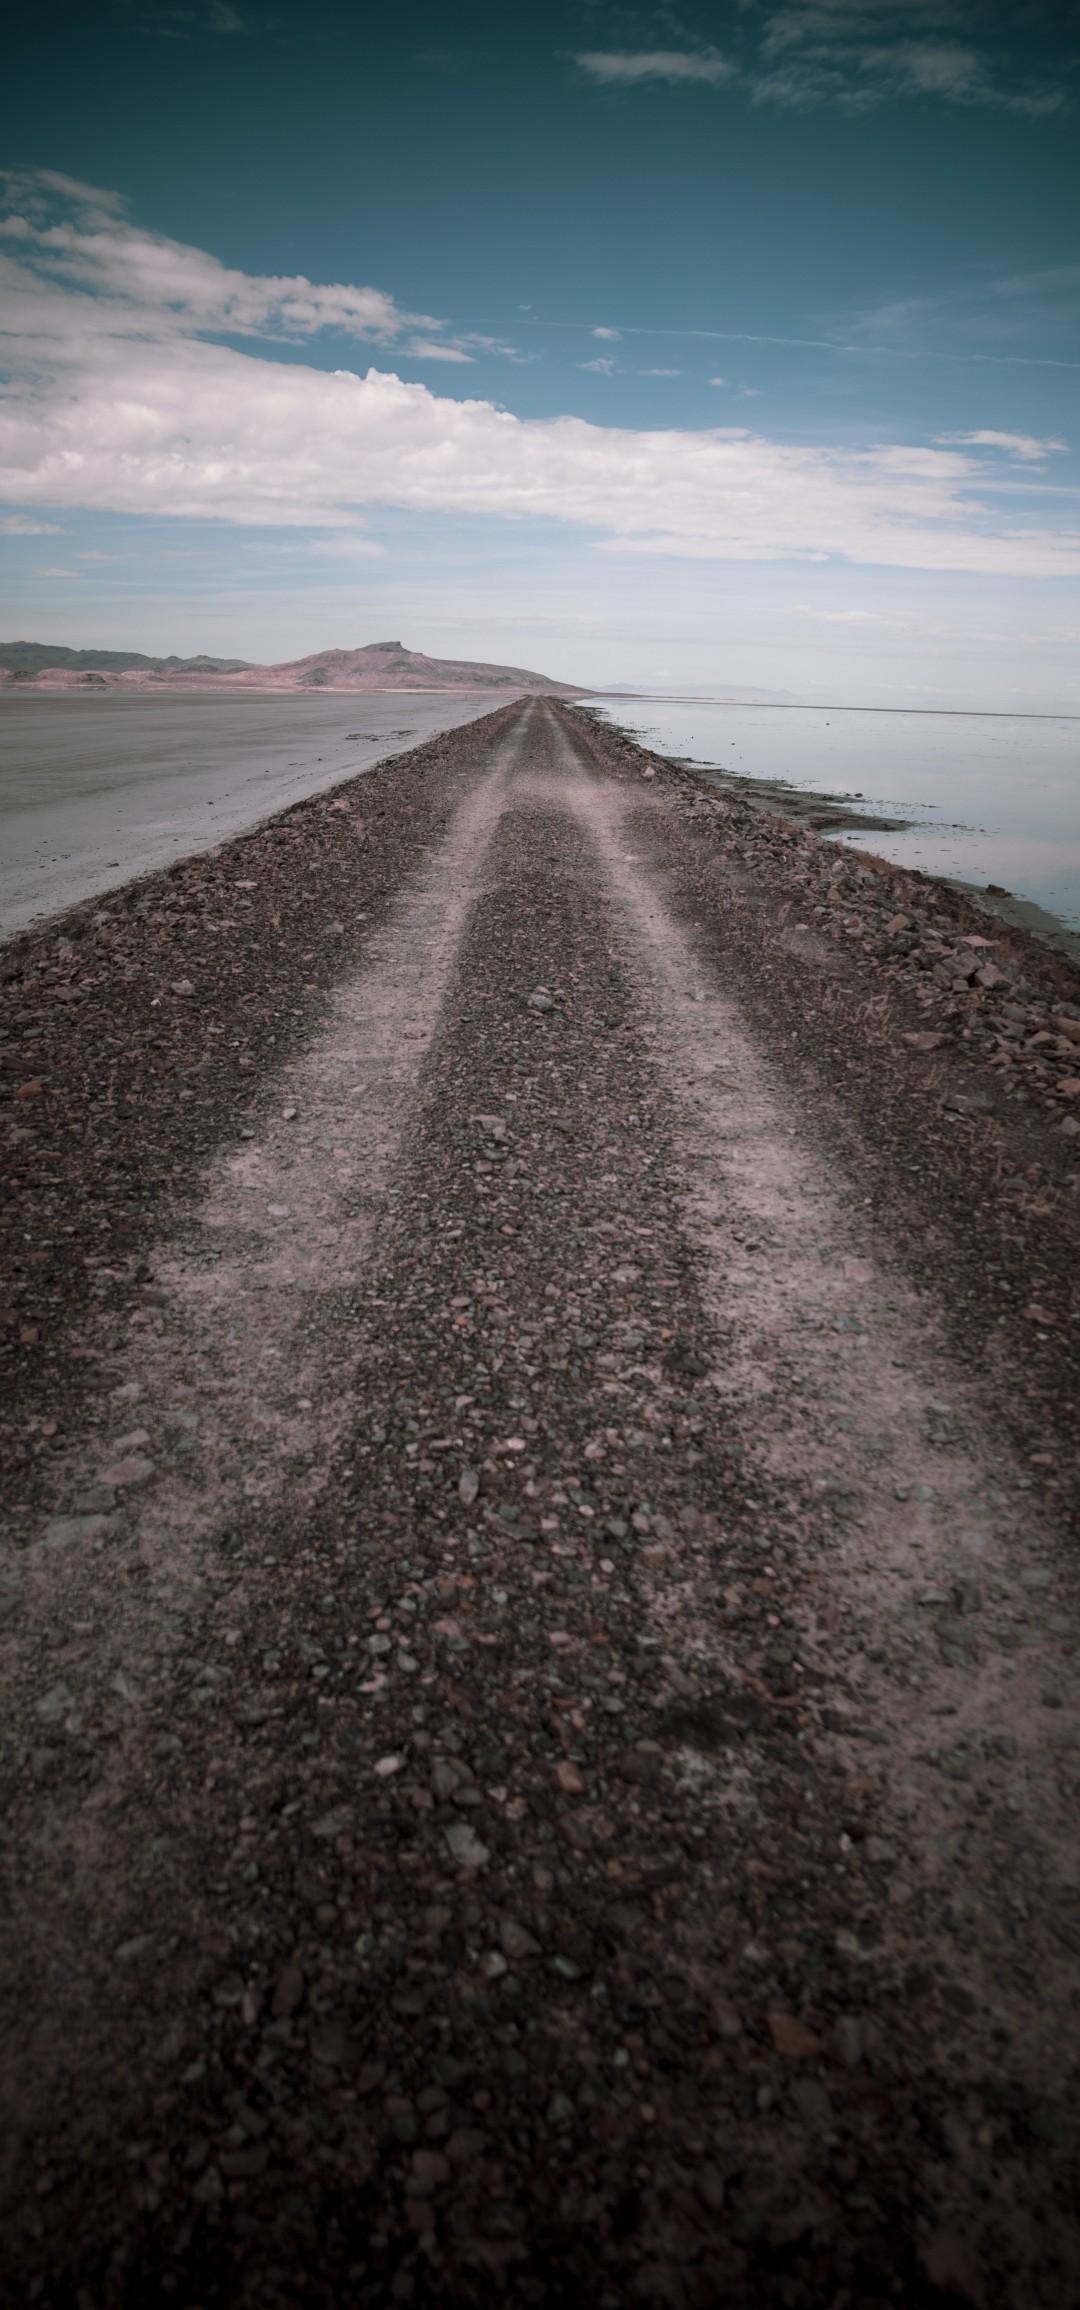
{"x":121,"y":396}
{"x":859,"y":54}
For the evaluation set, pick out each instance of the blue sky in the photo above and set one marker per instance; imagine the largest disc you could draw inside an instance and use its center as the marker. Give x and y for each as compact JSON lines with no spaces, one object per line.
{"x":732,"y":345}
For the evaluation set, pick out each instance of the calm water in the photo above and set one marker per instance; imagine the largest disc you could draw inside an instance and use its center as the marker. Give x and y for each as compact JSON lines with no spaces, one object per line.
{"x":991,"y":798}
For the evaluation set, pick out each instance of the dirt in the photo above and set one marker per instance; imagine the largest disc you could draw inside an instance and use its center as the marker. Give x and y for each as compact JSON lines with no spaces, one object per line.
{"x":538,"y":1608}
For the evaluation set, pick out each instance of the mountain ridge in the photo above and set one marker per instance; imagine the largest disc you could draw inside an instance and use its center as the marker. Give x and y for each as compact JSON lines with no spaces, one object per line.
{"x":372,"y":666}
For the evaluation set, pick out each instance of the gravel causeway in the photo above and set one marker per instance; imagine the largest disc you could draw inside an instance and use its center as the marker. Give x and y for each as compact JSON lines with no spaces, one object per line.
{"x":539,"y":1599}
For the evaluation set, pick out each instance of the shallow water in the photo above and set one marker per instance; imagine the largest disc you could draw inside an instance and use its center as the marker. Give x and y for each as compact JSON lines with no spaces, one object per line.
{"x":992,"y":797}
{"x":96,"y":790}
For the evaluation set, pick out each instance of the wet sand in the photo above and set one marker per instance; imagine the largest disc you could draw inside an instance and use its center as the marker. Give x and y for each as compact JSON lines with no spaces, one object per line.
{"x":95,"y":790}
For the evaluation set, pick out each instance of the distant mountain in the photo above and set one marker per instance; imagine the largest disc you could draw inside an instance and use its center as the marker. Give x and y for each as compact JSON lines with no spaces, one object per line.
{"x":378,"y":666}
{"x":35,"y":657}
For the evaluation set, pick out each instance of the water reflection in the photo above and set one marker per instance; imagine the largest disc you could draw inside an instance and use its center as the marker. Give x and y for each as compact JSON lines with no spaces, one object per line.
{"x":990,"y":798}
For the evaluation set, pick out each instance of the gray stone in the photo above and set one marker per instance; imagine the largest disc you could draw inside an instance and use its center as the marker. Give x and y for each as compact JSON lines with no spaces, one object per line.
{"x":70,"y":1531}
{"x":465,"y":1847}
{"x":55,"y":1703}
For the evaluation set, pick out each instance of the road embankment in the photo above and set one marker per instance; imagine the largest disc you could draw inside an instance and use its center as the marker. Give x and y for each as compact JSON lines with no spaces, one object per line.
{"x":538,"y":1611}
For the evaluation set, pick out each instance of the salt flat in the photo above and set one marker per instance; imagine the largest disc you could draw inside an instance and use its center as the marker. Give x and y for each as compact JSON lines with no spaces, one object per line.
{"x":94,"y":790}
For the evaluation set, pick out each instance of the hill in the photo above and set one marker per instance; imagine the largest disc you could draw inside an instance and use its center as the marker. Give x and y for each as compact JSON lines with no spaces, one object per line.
{"x":376,"y":666}
{"x":35,"y":657}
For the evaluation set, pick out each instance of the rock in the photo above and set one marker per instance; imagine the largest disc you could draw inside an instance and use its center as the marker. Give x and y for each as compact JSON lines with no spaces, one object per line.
{"x":465,"y":1847}
{"x":98,"y":1500}
{"x":129,"y":1952}
{"x":70,"y":1531}
{"x":182,"y":987}
{"x":950,"y":2267}
{"x":516,"y":1942}
{"x":926,"y":1039}
{"x":965,"y":1103}
{"x":209,"y":2190}
{"x":468,"y":1486}
{"x":125,"y":1475}
{"x":792,"y":2038}
{"x":1069,"y":1087}
{"x":334,"y":2046}
{"x":335,"y":1824}
{"x":1070,"y":1028}
{"x":54,"y":1703}
{"x":539,"y":1001}
{"x":288,"y":1992}
{"x":244,"y":2164}
{"x":711,"y":2188}
{"x":847,"y":2041}
{"x":386,"y":1767}
{"x":812,"y":2102}
{"x":570,"y":1778}
{"x":429,"y":2170}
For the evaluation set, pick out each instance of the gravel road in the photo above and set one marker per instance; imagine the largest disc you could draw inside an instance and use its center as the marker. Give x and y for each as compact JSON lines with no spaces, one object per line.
{"x":538,"y":1614}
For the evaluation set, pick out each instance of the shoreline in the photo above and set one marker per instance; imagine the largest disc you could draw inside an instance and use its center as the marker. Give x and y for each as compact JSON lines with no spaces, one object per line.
{"x":819,"y":812}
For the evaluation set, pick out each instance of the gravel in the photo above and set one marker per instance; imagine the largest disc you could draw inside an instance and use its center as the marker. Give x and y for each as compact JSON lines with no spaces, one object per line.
{"x":491,"y":1818}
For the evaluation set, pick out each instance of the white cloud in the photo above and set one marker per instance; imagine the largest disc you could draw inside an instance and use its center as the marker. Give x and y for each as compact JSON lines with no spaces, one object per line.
{"x":136,"y":408}
{"x":622,"y":68}
{"x":57,"y":573}
{"x":719,"y":380}
{"x":603,"y":366}
{"x":347,"y":545}
{"x":78,"y":237}
{"x":20,"y":525}
{"x":857,"y":54}
{"x":862,"y":53}
{"x":836,"y":617}
{"x":612,"y":335}
{"x":425,"y":349}
{"x":219,"y":18}
{"x":1025,"y":447}
{"x":659,"y":372}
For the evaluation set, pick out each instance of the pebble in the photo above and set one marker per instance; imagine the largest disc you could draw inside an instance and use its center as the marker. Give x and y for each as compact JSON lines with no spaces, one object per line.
{"x":54,"y":1703}
{"x":127,"y":1474}
{"x":465,"y":1847}
{"x":71,"y":1531}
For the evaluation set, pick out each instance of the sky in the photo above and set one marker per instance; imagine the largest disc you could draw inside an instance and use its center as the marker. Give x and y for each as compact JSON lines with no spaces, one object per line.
{"x":714,"y":347}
